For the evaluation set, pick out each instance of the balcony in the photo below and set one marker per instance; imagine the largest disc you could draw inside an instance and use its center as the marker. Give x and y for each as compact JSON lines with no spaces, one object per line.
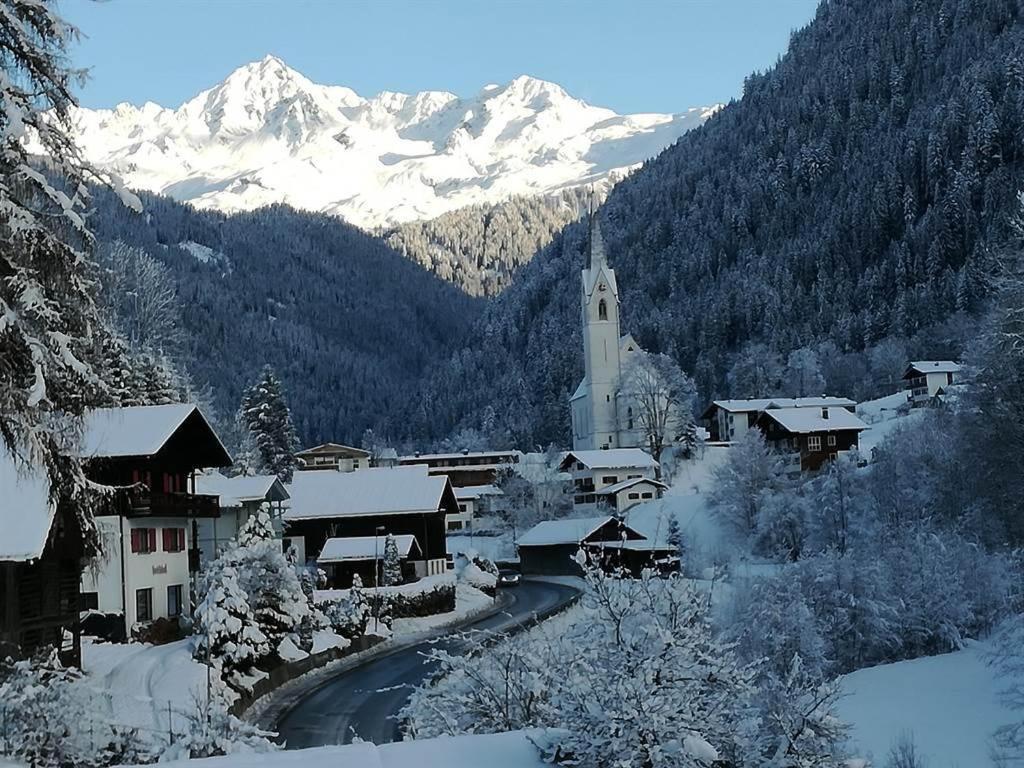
{"x":145,"y":503}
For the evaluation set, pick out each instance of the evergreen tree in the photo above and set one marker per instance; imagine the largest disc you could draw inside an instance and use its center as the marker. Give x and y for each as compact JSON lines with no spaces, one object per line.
{"x":269,"y":423}
{"x":392,"y":567}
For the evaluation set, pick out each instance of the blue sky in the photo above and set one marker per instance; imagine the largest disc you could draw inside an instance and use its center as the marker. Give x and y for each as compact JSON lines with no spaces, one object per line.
{"x":630,"y":55}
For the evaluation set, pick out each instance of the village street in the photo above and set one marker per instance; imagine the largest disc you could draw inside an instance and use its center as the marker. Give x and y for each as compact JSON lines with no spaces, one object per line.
{"x":363,"y":701}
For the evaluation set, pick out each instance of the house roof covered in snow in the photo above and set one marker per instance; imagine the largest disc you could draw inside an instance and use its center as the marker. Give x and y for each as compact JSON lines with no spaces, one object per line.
{"x":551,"y":532}
{"x":364,"y":548}
{"x":26,"y":513}
{"x":377,"y":491}
{"x":476,"y":491}
{"x":921,"y":367}
{"x":236,"y":491}
{"x":807,"y":419}
{"x":333,"y":449}
{"x":612,"y":458}
{"x":144,"y":430}
{"x":611,"y":490}
{"x":422,"y":458}
{"x":764,"y":403}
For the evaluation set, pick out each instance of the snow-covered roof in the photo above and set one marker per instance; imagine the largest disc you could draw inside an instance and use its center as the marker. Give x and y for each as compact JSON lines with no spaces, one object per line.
{"x":562,"y":531}
{"x":377,"y":491}
{"x":764,"y":403}
{"x":235,"y":491}
{"x":581,"y":390}
{"x":920,"y":367}
{"x":640,"y":545}
{"x":363,"y":548}
{"x":333,"y":449}
{"x":26,"y":513}
{"x":804,"y":420}
{"x":626,"y":484}
{"x":140,"y":430}
{"x":612,"y":458}
{"x":476,"y":491}
{"x":423,"y":457}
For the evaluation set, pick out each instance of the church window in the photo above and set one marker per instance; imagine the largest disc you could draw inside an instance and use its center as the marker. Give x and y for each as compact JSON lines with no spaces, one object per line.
{"x":629,"y":416}
{"x":602,"y":310}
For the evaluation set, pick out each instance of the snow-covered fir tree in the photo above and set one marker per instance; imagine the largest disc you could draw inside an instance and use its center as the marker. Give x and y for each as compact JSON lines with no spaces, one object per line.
{"x":268,"y":422}
{"x":391,"y":569}
{"x":227,"y":632}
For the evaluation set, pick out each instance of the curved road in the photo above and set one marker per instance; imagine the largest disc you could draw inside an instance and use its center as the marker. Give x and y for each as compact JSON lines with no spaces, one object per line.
{"x":364,"y":701}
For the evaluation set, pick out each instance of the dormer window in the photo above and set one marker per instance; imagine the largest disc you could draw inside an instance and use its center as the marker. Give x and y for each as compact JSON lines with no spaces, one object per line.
{"x":602,"y":310}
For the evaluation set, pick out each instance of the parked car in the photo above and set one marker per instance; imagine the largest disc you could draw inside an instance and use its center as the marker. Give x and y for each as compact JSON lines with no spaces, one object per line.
{"x":508,"y":578}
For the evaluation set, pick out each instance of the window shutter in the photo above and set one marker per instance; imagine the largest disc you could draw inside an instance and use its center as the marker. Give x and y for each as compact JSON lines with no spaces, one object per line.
{"x":135,"y":540}
{"x":168,"y":541}
{"x":152,"y":539}
{"x":181,"y":539}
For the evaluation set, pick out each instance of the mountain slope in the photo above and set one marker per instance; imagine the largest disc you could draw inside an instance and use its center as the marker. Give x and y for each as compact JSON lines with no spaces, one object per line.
{"x":856,"y":192}
{"x":269,"y":135}
{"x":349,"y":325}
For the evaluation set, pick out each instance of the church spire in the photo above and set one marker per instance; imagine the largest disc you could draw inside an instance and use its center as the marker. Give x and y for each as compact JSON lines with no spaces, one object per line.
{"x":598,"y":258}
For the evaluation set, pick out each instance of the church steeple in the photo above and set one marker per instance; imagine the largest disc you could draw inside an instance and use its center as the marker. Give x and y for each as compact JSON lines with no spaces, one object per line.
{"x":598,"y":257}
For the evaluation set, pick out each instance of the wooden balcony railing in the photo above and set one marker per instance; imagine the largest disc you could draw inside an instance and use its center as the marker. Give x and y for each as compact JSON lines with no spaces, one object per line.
{"x":149,"y":504}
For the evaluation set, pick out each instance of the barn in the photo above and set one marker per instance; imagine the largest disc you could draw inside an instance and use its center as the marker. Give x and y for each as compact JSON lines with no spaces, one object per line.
{"x":550,"y":548}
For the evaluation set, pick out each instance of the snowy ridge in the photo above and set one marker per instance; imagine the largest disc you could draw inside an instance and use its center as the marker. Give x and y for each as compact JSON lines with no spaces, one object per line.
{"x":266,"y":134}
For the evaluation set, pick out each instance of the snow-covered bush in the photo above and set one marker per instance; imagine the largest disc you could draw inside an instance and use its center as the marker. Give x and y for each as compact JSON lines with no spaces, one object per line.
{"x":226,"y":629}
{"x":632,"y":677}
{"x":348,"y":616}
{"x":213,"y":730}
{"x":45,"y":720}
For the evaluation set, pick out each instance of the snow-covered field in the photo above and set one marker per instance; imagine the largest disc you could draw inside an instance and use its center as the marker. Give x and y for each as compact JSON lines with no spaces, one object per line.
{"x":501,"y":750}
{"x":949,"y":704}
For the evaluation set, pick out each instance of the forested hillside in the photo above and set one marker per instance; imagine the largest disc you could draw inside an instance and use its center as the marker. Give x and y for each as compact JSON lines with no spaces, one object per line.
{"x":348,"y":324}
{"x":479,"y":247}
{"x":854,"y":195}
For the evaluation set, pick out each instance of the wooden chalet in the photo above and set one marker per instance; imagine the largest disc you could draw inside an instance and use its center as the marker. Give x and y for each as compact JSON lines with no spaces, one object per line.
{"x":811,"y":436}
{"x":373,"y":502}
{"x":343,"y":558}
{"x":41,"y":552}
{"x":333,"y":456}
{"x":465,"y":468}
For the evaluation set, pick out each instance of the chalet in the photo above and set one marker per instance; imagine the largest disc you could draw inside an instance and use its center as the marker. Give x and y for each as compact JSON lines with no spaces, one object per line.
{"x":466,"y":467}
{"x":41,"y":553}
{"x":343,"y":558}
{"x":924,"y":379}
{"x":373,"y":502}
{"x":240,"y":497}
{"x":340,"y":458}
{"x":811,"y":436}
{"x":150,"y":548}
{"x":551,"y":547}
{"x":728,"y":420}
{"x":615,"y":478}
{"x":473,"y":499}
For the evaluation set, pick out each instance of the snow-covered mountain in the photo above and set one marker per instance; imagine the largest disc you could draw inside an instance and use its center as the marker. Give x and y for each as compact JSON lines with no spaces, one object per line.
{"x":267,"y":135}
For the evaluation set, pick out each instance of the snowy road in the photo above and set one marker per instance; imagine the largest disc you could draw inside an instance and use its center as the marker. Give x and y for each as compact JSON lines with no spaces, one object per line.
{"x":363,"y":701}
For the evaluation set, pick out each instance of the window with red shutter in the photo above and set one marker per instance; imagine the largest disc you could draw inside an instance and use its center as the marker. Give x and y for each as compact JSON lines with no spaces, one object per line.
{"x":168,"y":539}
{"x":136,"y":546}
{"x":181,"y":539}
{"x":152,"y":539}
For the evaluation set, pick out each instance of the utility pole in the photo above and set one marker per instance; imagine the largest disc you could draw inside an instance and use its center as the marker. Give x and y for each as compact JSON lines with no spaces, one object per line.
{"x":376,"y":576}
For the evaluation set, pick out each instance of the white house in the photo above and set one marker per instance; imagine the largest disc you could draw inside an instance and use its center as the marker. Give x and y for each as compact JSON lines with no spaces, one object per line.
{"x":472,"y":499}
{"x":924,"y":379}
{"x":729,"y":420}
{"x":615,"y":478}
{"x":240,"y":498}
{"x":149,"y":548}
{"x":601,"y":416}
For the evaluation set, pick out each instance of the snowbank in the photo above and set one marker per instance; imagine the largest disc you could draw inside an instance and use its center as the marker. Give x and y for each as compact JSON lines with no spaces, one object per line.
{"x":500,"y":750}
{"x":949,"y":704}
{"x":424,"y":585}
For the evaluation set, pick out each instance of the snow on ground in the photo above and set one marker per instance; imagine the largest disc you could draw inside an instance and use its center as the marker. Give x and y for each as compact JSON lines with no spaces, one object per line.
{"x":883,"y":416}
{"x":468,"y":601}
{"x":500,"y":750}
{"x":133,"y":684}
{"x":425,"y":584}
{"x":949,"y":704}
{"x":494,"y":548}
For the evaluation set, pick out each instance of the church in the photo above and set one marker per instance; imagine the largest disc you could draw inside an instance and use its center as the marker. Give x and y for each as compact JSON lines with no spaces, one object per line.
{"x":601,"y":416}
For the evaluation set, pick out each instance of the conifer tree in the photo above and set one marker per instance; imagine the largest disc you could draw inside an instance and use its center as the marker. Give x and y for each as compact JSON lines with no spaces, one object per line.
{"x":392,"y":568}
{"x":268,"y":421}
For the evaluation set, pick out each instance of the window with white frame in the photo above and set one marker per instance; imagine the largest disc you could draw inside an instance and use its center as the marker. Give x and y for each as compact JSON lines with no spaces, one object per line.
{"x":831,"y":439}
{"x":814,"y":443}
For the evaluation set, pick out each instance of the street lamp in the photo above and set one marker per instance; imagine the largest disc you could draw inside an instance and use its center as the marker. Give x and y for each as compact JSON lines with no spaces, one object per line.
{"x":376,"y":576}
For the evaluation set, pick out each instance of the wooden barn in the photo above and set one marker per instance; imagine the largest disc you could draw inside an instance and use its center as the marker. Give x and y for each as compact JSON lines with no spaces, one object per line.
{"x":373,"y":502}
{"x":343,"y":558}
{"x":550,"y":547}
{"x":41,"y":553}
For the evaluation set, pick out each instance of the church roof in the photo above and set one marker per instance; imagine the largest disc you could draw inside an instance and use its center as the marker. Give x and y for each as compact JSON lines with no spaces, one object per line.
{"x":581,"y":390}
{"x":597,"y":264}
